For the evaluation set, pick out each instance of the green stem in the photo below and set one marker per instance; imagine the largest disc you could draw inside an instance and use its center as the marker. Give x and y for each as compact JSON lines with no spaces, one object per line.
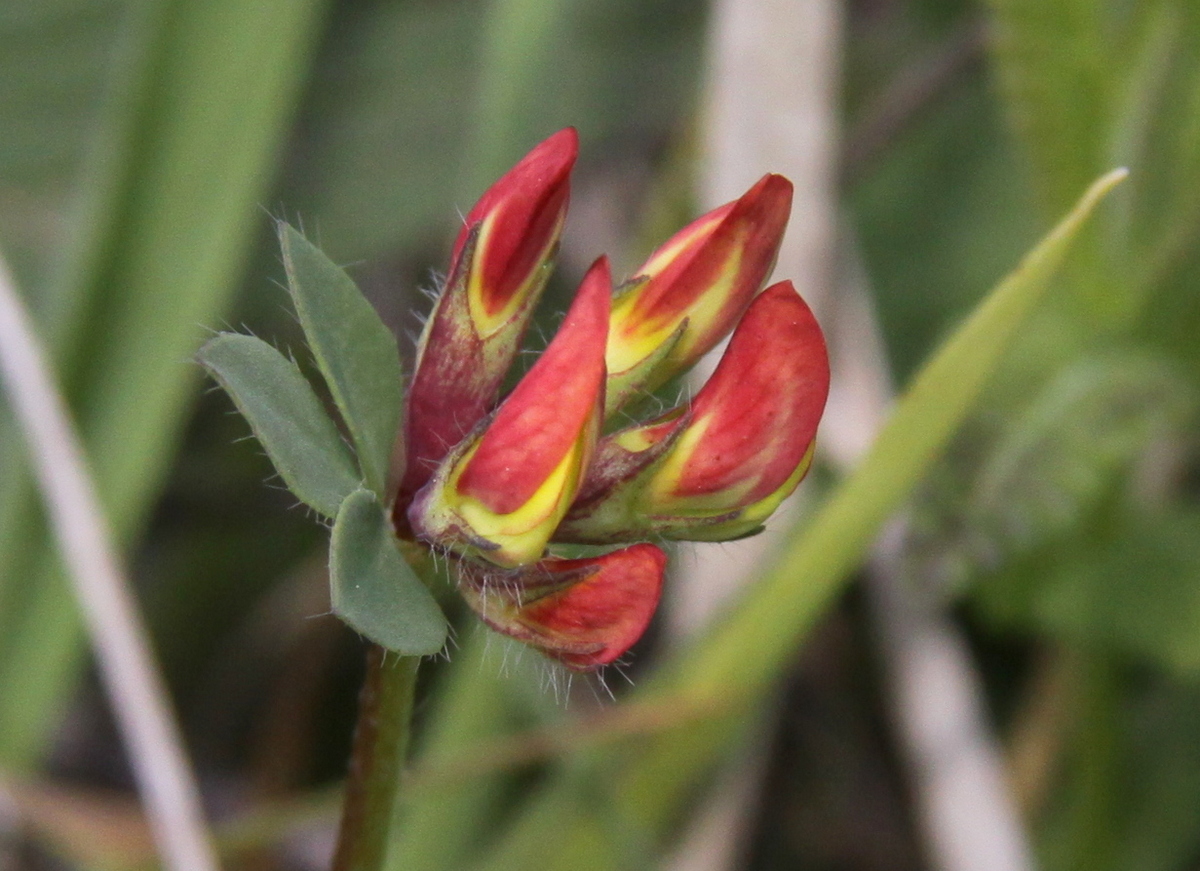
{"x":377,"y":759}
{"x":1091,"y":835}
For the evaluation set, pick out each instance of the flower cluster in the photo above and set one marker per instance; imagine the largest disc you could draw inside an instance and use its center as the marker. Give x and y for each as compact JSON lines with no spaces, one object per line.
{"x":494,"y":483}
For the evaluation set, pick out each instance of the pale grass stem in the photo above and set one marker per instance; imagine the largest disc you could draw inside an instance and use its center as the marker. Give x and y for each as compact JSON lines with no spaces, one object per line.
{"x":123,"y":655}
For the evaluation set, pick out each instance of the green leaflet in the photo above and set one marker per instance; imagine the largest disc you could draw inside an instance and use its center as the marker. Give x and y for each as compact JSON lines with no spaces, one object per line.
{"x":372,"y":587}
{"x":287,"y":418}
{"x":354,"y":350}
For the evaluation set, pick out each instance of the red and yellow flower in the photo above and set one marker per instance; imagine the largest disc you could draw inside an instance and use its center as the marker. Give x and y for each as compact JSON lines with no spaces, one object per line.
{"x":499,"y":266}
{"x":717,"y":467}
{"x":583,"y":612}
{"x":502,"y":492}
{"x":494,"y":483}
{"x":693,"y":289}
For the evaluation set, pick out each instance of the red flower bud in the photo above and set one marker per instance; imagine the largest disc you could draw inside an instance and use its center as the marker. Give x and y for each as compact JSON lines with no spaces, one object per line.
{"x":585,"y":613}
{"x":500,"y":263}
{"x":501,"y":493}
{"x":693,"y":289}
{"x":718,"y":469}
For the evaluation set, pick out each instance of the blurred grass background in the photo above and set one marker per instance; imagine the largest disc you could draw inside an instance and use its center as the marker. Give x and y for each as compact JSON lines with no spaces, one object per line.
{"x":144,"y":145}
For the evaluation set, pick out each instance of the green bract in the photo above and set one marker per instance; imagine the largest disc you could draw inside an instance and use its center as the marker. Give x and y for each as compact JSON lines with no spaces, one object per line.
{"x":371,"y":586}
{"x":373,"y":589}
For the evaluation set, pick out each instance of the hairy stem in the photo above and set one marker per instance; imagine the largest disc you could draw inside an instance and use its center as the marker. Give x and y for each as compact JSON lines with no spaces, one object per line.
{"x":380,"y":745}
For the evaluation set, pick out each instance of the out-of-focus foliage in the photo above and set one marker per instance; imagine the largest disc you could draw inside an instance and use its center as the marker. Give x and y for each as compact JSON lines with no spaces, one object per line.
{"x":145,"y":145}
{"x":1068,"y":510}
{"x":163,"y":215}
{"x":415,"y":106}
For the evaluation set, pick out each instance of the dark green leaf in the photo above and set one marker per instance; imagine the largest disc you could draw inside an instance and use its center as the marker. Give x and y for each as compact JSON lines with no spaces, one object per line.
{"x":1136,"y":591}
{"x":372,"y":587}
{"x":287,"y":418}
{"x":1161,"y":789}
{"x":355,"y":351}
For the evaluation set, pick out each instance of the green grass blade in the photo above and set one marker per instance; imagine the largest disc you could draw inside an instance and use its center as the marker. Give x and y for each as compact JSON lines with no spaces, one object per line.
{"x":287,"y":418}
{"x":752,"y":647}
{"x":355,"y":351}
{"x":779,"y":610}
{"x":373,"y":589}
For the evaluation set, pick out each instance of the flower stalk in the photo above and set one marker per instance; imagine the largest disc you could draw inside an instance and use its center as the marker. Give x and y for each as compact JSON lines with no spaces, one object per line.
{"x":381,"y":739}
